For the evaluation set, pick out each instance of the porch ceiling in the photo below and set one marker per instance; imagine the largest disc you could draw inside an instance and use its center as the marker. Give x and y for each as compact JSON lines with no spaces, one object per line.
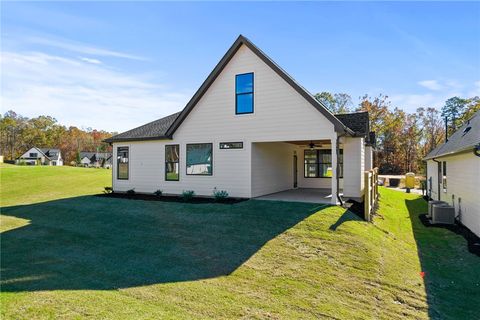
{"x":307,"y":142}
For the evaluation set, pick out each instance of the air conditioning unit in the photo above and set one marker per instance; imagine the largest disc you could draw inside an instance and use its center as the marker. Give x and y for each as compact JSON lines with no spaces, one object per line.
{"x":443,"y":214}
{"x":430,"y":206}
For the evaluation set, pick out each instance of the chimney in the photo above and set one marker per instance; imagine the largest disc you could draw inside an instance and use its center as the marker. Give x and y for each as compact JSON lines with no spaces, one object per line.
{"x":446,"y":129}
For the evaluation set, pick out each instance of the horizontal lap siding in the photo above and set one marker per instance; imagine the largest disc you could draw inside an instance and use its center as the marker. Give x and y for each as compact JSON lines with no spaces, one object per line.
{"x":463,"y":177}
{"x":280,"y":114}
{"x":147,"y":170}
{"x":272,"y":168}
{"x":432,"y":171}
{"x":353,"y":167}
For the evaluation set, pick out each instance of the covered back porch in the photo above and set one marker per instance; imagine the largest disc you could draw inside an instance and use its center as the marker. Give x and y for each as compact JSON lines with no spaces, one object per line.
{"x":306,"y":170}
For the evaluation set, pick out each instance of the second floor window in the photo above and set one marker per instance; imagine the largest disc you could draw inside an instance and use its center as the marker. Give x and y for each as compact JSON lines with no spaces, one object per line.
{"x":244,"y":93}
{"x":33,"y":155}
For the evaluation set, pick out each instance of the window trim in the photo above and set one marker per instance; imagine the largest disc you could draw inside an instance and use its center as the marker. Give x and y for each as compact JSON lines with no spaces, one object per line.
{"x":245,"y":93}
{"x":220,"y":145}
{"x":317,"y":163}
{"x":128,"y":165}
{"x":178,"y":161}
{"x":186,"y":159}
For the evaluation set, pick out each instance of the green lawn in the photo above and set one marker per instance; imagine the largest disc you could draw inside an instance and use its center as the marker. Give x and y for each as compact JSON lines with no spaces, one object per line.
{"x":68,"y":254}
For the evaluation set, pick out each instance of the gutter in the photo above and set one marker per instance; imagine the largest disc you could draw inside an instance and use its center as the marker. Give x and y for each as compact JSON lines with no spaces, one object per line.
{"x":337,"y":168}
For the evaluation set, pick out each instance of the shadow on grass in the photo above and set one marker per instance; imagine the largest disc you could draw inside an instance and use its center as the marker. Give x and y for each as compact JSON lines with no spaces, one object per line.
{"x":345,"y":217}
{"x":452,"y":280}
{"x":98,"y":243}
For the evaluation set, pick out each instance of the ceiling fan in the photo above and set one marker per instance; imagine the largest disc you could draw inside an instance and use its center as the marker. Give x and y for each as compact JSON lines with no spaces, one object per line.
{"x":313,"y":145}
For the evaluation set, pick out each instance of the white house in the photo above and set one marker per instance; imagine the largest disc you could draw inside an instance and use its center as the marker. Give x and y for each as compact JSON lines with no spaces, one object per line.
{"x":453,"y":173}
{"x":251,"y":130}
{"x":42,"y":156}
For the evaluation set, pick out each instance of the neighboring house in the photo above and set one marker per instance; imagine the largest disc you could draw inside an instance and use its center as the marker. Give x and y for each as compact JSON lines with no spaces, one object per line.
{"x":251,"y":130}
{"x":42,"y":156}
{"x":96,"y":159}
{"x":453,"y":173}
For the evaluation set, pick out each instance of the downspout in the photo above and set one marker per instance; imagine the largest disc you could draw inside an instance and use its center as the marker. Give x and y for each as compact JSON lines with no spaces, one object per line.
{"x":438,"y":177}
{"x":337,"y":169}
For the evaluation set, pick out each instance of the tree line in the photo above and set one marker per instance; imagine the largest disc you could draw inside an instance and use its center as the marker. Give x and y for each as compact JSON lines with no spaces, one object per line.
{"x":19,"y":133}
{"x":403,"y":138}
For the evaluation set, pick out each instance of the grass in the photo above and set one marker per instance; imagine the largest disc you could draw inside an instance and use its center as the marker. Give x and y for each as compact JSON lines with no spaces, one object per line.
{"x":68,"y":254}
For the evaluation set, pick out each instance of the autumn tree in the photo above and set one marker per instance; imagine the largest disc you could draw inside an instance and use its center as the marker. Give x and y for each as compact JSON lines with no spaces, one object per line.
{"x":336,"y":103}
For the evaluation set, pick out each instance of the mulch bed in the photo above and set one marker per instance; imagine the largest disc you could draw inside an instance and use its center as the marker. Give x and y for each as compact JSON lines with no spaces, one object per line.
{"x":472,"y":239}
{"x":169,"y":198}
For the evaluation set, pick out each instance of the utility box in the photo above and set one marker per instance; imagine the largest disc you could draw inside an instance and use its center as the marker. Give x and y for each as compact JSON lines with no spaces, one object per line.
{"x":443,"y":214}
{"x":410,"y":181}
{"x":434,"y":202}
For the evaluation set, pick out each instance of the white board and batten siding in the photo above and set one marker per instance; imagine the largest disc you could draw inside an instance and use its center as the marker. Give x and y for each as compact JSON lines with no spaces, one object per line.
{"x":280,"y":114}
{"x":463,"y":178}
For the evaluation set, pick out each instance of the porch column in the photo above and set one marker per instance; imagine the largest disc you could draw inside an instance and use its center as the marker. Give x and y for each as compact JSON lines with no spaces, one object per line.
{"x":334,"y":199}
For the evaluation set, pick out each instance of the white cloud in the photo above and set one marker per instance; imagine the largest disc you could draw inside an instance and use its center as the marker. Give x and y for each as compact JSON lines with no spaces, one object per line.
{"x":431,"y":84}
{"x":80,"y":48}
{"x":475,"y":92}
{"x":81,"y":93}
{"x":91,"y":60}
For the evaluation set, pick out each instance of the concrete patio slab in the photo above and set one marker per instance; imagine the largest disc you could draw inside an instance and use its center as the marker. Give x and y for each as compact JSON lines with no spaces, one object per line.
{"x":300,"y":195}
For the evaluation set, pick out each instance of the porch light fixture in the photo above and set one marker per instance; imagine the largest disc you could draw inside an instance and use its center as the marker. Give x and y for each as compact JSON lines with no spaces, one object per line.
{"x":312,"y":145}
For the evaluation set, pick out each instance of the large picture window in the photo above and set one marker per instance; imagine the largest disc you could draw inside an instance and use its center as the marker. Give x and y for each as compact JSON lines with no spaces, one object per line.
{"x":200,"y":159}
{"x":318,"y":163}
{"x":172,"y":156}
{"x":122,"y":163}
{"x":244,"y":93}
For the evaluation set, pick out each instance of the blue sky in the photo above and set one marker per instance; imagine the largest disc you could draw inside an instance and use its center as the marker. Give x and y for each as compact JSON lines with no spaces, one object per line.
{"x":116,"y":65}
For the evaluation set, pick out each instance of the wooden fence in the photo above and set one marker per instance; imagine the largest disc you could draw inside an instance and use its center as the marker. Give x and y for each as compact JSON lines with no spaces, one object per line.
{"x":371,"y":193}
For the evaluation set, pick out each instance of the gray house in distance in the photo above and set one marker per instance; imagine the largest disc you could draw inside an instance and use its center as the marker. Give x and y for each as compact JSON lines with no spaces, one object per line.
{"x":96,"y":159}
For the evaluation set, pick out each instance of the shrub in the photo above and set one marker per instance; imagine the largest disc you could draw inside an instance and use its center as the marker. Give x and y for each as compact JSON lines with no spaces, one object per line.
{"x":220,"y":195}
{"x":187,"y":195}
{"x":131,"y":192}
{"x":108,"y":190}
{"x":158,"y":193}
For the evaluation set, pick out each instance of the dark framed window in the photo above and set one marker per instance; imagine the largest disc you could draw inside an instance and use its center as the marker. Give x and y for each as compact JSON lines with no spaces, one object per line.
{"x":172,"y":162}
{"x":231,"y":145}
{"x":200,"y":159}
{"x":318,"y":163}
{"x":122,"y":163}
{"x":33,"y":154}
{"x":444,"y":176}
{"x":244,"y":93}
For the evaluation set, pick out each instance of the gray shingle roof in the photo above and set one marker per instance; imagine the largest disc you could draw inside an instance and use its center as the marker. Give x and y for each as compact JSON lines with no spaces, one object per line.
{"x":96,"y":156}
{"x":465,"y":138}
{"x":51,"y":153}
{"x":358,"y":122}
{"x":154,"y":130}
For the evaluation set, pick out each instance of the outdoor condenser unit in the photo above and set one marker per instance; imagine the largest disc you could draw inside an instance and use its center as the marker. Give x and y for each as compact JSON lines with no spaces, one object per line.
{"x":443,"y":214}
{"x":430,"y":206}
